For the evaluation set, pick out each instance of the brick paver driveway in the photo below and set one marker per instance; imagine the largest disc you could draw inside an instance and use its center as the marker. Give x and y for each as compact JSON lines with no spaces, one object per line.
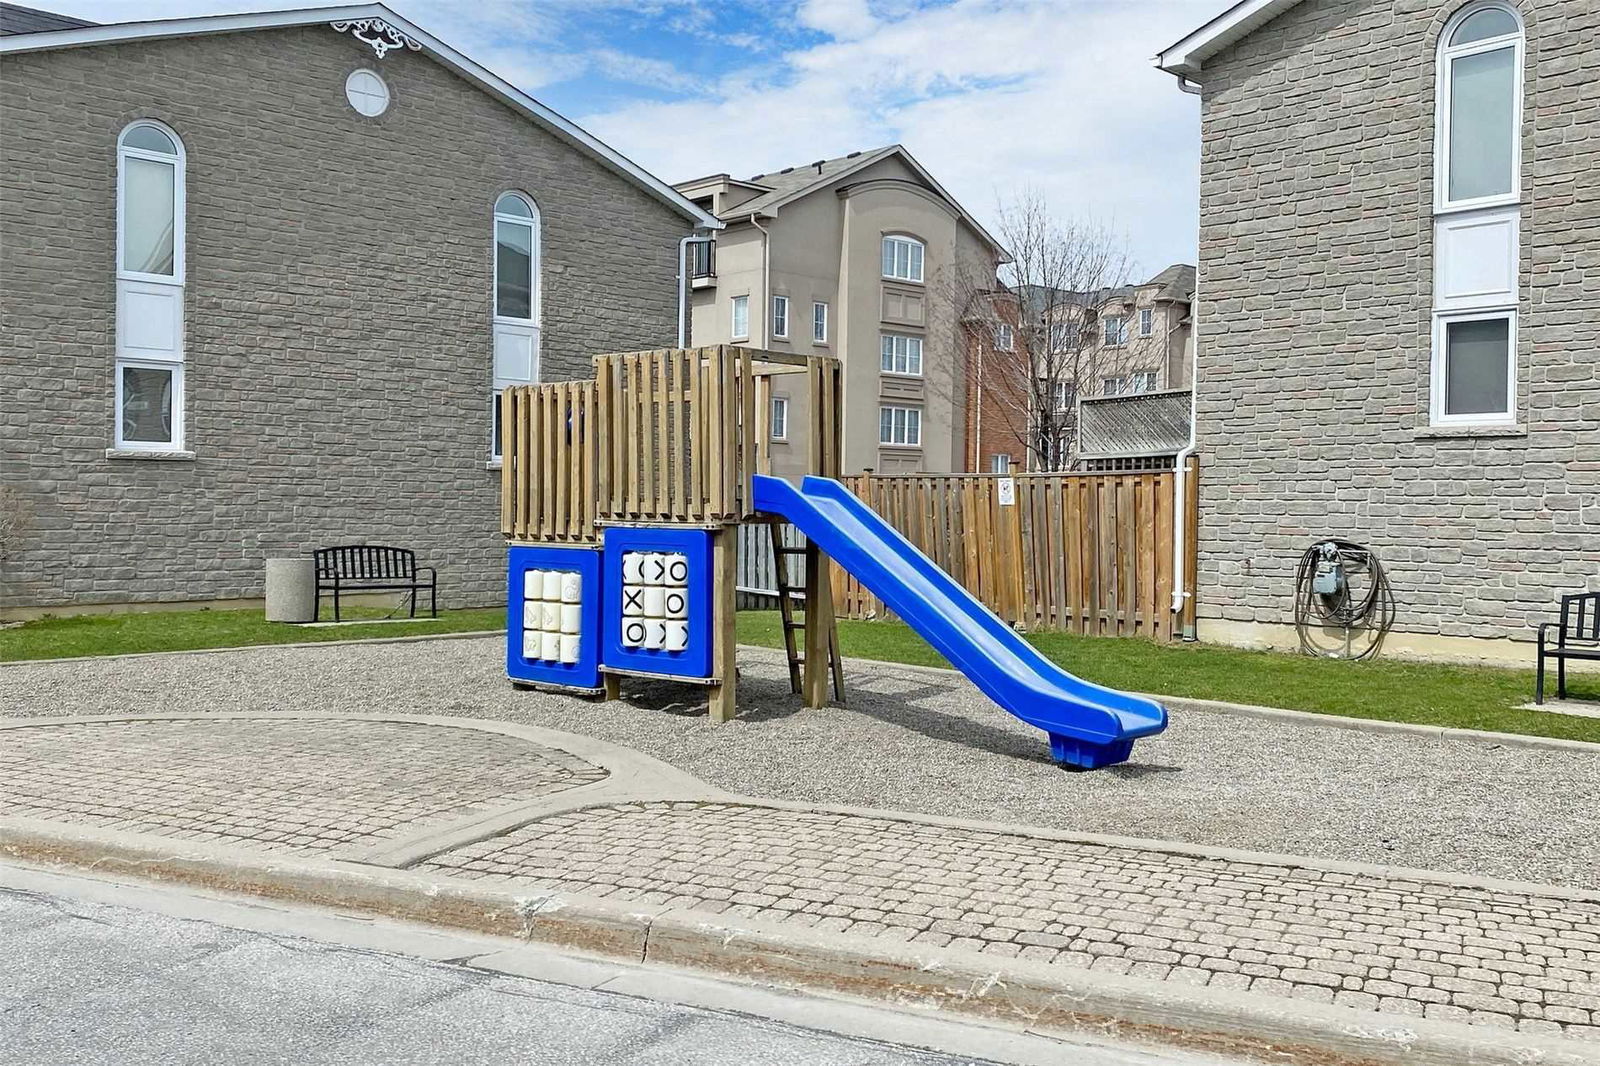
{"x":272,"y":783}
{"x":1397,"y":945}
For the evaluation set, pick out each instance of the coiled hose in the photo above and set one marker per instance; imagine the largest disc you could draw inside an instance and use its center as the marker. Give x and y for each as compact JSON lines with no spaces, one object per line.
{"x":1343,"y":605}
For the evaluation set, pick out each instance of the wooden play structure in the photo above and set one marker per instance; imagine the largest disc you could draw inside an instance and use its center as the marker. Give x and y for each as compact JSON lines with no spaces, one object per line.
{"x":621,"y":498}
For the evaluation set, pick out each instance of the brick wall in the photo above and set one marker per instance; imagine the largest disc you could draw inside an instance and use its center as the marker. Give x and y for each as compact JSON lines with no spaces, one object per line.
{"x":1316,"y":287}
{"x":337,"y":311}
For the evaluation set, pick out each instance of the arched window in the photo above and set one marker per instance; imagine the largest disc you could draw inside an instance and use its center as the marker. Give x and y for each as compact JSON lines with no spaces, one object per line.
{"x":902,"y":258}
{"x":150,"y":273}
{"x":1480,"y":107}
{"x":1477,"y":197}
{"x":516,"y":298}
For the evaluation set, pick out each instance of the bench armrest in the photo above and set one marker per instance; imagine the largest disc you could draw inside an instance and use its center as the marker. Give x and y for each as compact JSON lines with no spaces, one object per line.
{"x":1545,"y":627}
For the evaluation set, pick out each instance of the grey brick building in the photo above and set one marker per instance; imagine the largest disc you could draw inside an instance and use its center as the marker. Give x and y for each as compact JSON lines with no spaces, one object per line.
{"x":1398,"y":326}
{"x":249,"y":300}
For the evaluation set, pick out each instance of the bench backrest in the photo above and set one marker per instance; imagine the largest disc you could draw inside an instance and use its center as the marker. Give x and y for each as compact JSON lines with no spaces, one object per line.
{"x":1580,"y":618}
{"x":366,"y":562}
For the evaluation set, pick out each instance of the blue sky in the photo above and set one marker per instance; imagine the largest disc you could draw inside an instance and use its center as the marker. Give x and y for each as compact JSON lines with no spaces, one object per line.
{"x":993,"y":96}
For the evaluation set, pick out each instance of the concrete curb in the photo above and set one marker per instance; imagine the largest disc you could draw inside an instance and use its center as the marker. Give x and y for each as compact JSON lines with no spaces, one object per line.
{"x":1034,"y":994}
{"x":415,"y":638}
{"x":1312,"y":718}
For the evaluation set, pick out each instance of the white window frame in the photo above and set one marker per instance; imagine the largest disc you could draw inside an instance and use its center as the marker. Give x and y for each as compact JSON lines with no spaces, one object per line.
{"x":1115,"y":384}
{"x":1122,"y":330}
{"x":909,"y":430}
{"x":1138,"y":379}
{"x":734,"y":306}
{"x":780,"y":317}
{"x":1442,"y":204}
{"x":505,"y":326}
{"x":916,"y":258}
{"x":1005,"y":338}
{"x":819,"y":322}
{"x":900,"y":355}
{"x":1441,"y":322}
{"x":780,"y":418}
{"x":169,"y":286}
{"x":1147,"y":321}
{"x":999,"y":463}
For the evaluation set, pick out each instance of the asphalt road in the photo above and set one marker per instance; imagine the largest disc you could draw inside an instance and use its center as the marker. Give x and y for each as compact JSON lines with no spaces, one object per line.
{"x":89,"y":983}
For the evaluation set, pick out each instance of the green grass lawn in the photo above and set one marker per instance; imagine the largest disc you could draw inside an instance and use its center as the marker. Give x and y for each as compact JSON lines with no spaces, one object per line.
{"x":1465,"y":697}
{"x":119,"y":634}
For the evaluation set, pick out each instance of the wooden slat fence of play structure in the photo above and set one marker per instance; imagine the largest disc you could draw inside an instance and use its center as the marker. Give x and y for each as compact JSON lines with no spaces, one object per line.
{"x":1085,"y":553}
{"x":547,"y":474}
{"x":679,"y":443}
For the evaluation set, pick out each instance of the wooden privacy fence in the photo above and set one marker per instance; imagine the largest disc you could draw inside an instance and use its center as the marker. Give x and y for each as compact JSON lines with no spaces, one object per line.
{"x":1085,"y":553}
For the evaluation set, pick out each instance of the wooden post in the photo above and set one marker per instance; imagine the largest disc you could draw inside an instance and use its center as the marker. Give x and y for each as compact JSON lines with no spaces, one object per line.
{"x":613,"y":683}
{"x":724,"y":556}
{"x":819,"y":627}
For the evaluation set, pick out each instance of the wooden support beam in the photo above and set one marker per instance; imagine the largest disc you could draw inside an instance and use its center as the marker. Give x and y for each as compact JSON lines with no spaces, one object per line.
{"x":723,"y":703}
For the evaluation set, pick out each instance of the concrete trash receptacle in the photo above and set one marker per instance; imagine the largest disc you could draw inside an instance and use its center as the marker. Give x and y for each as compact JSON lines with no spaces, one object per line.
{"x":291,"y":590}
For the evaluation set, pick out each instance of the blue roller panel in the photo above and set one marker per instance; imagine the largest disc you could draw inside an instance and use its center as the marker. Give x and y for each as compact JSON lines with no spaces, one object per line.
{"x":553,"y":620}
{"x":1089,"y":726}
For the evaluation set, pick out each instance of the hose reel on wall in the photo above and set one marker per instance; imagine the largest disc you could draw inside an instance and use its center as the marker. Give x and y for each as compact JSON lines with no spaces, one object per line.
{"x":1343,"y":605}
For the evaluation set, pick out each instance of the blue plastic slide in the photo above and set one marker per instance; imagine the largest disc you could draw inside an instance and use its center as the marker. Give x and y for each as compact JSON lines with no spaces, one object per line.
{"x":1089,"y":726}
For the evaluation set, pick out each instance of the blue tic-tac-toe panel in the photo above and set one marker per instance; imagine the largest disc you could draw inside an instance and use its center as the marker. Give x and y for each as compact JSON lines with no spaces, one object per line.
{"x":656,"y":591}
{"x":553,"y":619}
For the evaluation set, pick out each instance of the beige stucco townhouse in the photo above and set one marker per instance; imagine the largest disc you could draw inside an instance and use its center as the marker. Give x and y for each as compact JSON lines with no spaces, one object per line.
{"x":863,"y":257}
{"x":261,"y":276}
{"x":1398,"y":322}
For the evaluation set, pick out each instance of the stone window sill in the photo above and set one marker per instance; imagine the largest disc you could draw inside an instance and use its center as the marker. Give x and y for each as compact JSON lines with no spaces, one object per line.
{"x":1470,"y":432}
{"x":494,"y":464}
{"x":160,"y":457}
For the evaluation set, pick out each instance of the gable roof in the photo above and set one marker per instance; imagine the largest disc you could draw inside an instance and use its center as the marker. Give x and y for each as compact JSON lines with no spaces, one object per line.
{"x":1187,"y":57}
{"x":1177,"y":282}
{"x":14,"y":18}
{"x":792,"y":183}
{"x":161,"y":29}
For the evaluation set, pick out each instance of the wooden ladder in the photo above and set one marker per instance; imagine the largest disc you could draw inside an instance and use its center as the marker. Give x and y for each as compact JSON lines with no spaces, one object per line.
{"x":786,"y":597}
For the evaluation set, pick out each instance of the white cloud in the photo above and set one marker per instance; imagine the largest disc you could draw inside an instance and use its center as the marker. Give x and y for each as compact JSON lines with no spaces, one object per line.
{"x":843,"y":19}
{"x":990,"y":95}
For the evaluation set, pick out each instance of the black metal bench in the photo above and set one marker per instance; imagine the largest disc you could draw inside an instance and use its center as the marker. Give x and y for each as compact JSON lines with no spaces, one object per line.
{"x":1577,"y":637}
{"x":373,"y":568}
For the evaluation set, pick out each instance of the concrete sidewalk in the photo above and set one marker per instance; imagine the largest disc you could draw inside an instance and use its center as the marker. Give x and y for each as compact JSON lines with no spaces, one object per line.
{"x":564,"y":838}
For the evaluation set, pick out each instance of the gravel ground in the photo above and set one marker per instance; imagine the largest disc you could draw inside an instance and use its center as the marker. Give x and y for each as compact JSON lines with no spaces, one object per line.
{"x":917,"y":741}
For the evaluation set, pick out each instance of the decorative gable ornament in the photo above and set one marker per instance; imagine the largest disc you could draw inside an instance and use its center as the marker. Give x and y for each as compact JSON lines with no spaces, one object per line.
{"x":383,"y":37}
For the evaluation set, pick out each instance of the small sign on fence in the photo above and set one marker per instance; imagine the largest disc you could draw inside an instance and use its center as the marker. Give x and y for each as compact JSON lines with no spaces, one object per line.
{"x":1008,"y":492}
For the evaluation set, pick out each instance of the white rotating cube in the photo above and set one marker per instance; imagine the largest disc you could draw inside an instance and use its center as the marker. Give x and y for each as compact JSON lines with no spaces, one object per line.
{"x":655,"y":598}
{"x":655,"y":568}
{"x":533,"y":584}
{"x":655,"y":634}
{"x":532,"y":615}
{"x":633,"y":632}
{"x":572,"y":587}
{"x":569,"y":647}
{"x":549,"y":616}
{"x":633,"y":601}
{"x":552,"y":586}
{"x":571,"y":617}
{"x":675,"y":603}
{"x":677,"y":636}
{"x":550,"y":646}
{"x":532,"y":644}
{"x":631,"y":564}
{"x":677,"y":570}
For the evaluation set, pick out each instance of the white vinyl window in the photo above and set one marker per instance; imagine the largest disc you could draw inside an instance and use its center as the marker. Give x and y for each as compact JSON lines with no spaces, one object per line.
{"x":1111,"y":387}
{"x":1147,"y":321}
{"x":1479,"y":122}
{"x":516,"y":302}
{"x":819,"y":322}
{"x":1116,"y":330}
{"x":1064,"y":336}
{"x":902,"y":354}
{"x":780,"y":418}
{"x":780,"y":316}
{"x":1000,"y":464}
{"x":741,"y":318}
{"x":902,"y":258}
{"x":900,"y":426}
{"x":1475,"y":368}
{"x":1064,"y":395}
{"x":149,"y":385}
{"x":1004,"y":339}
{"x":1144,"y":381}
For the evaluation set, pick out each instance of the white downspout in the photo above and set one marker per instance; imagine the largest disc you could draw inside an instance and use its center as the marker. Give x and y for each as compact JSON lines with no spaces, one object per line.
{"x":683,"y":282}
{"x":1180,"y":525}
{"x":766,"y":283}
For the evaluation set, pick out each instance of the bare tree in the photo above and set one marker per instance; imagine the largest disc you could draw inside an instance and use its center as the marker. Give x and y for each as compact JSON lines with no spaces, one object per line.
{"x":1062,"y":322}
